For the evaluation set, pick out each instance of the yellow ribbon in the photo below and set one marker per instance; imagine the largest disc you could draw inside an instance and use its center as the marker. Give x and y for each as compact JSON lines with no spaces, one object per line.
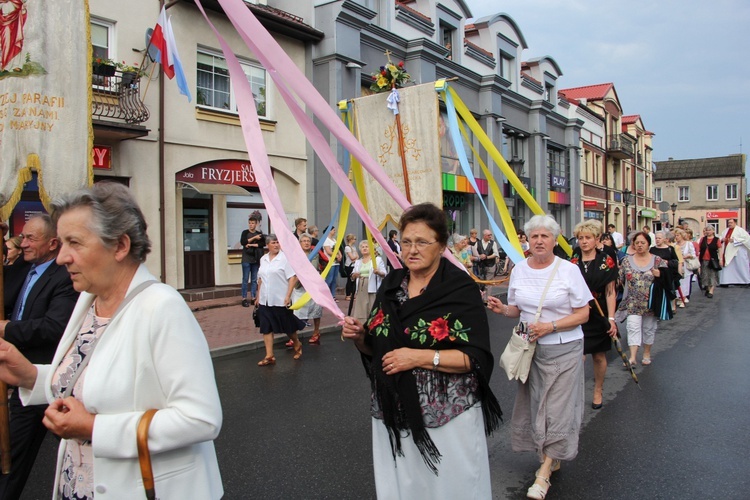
{"x":485,"y":141}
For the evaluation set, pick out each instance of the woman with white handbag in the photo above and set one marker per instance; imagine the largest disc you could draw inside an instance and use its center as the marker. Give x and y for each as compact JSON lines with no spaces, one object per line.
{"x":552,"y":300}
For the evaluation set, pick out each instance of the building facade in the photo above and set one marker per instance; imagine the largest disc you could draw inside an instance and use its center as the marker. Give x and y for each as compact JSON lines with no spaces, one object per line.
{"x":617,"y":167}
{"x":515,"y":101}
{"x":703,"y":191}
{"x":186,"y":162}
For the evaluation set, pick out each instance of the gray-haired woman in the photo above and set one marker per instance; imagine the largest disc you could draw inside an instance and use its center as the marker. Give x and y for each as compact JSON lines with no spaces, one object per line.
{"x":549,"y":407}
{"x":276,"y":281}
{"x":131,"y":345}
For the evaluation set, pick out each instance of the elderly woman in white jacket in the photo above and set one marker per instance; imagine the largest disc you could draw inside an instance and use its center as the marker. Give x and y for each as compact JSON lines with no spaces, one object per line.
{"x":369,"y":274}
{"x":131,"y":345}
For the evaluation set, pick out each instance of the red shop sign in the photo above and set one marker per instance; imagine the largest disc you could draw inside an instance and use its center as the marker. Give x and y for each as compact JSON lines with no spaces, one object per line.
{"x":590,"y":203}
{"x":721,"y":215}
{"x":237,"y":172}
{"x":102,"y":157}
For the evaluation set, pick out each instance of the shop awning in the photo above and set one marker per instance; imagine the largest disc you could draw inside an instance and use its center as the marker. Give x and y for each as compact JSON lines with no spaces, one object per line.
{"x":225,"y":189}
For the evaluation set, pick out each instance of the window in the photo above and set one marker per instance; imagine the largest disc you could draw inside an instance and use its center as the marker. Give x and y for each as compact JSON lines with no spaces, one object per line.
{"x":506,"y":66}
{"x":558,"y":166}
{"x":549,"y":91}
{"x":448,"y":154}
{"x":731,"y":192}
{"x":683,"y":193}
{"x":446,"y":38}
{"x":214,"y":88}
{"x":101,"y":42}
{"x":657,"y":194}
{"x":102,"y":47}
{"x":712,"y":192}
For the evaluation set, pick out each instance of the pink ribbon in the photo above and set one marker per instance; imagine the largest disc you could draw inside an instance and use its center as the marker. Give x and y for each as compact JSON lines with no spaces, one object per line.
{"x":256,"y":149}
{"x":286,"y":74}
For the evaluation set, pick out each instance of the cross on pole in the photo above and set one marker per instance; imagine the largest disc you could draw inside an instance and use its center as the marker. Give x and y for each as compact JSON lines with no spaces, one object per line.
{"x":388,"y":54}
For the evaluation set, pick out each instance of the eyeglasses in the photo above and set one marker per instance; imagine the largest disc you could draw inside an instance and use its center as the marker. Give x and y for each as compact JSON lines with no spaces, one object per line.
{"x":420,"y":244}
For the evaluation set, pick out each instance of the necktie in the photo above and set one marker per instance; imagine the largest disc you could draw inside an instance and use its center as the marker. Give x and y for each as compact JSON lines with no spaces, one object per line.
{"x":18,"y":308}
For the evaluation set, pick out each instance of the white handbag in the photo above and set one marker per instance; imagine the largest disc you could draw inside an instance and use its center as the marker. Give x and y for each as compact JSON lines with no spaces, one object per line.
{"x":517,"y":356}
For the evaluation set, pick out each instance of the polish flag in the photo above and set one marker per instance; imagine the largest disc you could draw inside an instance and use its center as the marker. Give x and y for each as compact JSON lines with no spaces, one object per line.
{"x":163,"y":39}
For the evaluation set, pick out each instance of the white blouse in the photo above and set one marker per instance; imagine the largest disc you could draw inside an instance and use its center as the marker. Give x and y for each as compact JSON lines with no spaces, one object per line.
{"x":567,"y":291}
{"x":275,"y":275}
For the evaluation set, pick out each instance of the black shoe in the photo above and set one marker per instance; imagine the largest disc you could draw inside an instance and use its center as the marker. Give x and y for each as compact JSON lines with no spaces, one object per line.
{"x":710,"y":295}
{"x":595,"y":406}
{"x":245,"y":303}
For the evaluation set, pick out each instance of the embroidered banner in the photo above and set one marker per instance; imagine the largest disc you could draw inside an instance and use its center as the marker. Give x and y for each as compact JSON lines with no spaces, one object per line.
{"x":377,"y":130}
{"x":45,"y":98}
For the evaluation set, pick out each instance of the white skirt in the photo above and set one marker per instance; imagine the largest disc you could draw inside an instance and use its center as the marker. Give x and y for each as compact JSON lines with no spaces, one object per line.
{"x":738,"y":271}
{"x":463,"y":471}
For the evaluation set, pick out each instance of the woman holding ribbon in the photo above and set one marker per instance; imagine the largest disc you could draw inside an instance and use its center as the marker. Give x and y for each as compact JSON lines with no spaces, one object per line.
{"x":276,"y":281}
{"x":427,"y":352}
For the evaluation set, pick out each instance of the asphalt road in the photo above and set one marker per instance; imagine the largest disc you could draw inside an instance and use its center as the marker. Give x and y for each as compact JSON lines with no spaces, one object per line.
{"x":301,"y":429}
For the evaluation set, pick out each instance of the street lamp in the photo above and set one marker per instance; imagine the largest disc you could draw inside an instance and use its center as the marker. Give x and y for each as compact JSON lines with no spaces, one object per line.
{"x":673,"y":206}
{"x":626,"y":199}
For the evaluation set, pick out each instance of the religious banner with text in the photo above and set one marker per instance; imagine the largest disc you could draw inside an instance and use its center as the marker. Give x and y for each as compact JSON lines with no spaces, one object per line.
{"x":45,"y":98}
{"x":406,"y":145}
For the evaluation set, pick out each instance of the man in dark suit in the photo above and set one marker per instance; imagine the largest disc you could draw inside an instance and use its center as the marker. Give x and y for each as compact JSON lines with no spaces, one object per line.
{"x":39,"y":299}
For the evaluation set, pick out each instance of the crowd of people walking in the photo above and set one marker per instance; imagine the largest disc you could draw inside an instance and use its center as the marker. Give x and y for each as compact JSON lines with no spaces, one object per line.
{"x":77,"y":281}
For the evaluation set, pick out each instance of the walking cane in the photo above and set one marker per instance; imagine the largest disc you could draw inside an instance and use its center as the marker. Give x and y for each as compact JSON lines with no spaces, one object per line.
{"x":4,"y":416}
{"x":618,"y":347}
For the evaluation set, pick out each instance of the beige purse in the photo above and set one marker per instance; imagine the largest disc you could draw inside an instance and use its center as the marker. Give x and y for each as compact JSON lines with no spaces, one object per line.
{"x":517,"y":356}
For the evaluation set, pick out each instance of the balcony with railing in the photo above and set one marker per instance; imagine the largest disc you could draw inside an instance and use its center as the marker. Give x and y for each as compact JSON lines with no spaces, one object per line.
{"x":117,"y":108}
{"x":619,"y":146}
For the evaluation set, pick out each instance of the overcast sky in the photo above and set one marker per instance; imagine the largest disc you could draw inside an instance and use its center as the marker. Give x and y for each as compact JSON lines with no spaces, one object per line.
{"x":683,"y":65}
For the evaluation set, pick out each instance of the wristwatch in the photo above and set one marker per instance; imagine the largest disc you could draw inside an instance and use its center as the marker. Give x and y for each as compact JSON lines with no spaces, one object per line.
{"x":554,"y":327}
{"x":436,"y":360}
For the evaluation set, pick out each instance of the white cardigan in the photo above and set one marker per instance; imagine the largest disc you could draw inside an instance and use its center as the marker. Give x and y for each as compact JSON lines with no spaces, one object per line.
{"x":375,"y":280}
{"x":154,"y":355}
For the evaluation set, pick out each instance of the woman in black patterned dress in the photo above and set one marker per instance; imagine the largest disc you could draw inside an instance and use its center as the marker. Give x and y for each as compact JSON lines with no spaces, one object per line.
{"x":599,"y":270}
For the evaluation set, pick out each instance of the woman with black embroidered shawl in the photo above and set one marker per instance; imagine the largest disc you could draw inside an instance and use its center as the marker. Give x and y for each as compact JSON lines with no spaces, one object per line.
{"x":426,"y":349}
{"x":599,"y":269}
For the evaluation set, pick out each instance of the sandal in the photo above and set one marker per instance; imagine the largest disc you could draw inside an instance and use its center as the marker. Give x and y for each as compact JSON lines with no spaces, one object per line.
{"x":537,"y":490}
{"x":298,"y":351}
{"x":646,"y":361}
{"x":289,"y":343}
{"x":267,"y":361}
{"x":315,"y":339}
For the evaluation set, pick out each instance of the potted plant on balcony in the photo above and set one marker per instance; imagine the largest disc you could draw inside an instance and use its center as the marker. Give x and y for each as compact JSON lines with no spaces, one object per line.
{"x":104,"y":67}
{"x":130,"y":73}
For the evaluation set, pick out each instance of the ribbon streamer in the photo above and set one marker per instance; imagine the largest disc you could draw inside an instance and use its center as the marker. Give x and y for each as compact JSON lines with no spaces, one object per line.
{"x":512,"y":252}
{"x":492,"y":151}
{"x":311,"y":280}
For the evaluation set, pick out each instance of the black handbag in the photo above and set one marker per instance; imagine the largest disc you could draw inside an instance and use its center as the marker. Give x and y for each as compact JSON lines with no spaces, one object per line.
{"x":714,"y":264}
{"x":256,"y":317}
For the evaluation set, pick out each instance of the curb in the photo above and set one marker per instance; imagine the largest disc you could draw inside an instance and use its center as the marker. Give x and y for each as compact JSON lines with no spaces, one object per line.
{"x":257,"y":345}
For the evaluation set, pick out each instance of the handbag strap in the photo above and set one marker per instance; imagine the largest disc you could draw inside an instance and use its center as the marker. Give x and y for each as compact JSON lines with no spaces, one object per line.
{"x":85,"y":361}
{"x":144,"y":457}
{"x":546,"y":288}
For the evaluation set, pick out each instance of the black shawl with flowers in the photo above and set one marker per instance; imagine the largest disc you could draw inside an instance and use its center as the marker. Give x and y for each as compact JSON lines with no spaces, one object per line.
{"x":598,"y":274}
{"x":449,"y":314}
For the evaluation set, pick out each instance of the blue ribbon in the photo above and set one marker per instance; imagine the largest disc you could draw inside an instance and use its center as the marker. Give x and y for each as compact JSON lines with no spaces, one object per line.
{"x":510,"y":250}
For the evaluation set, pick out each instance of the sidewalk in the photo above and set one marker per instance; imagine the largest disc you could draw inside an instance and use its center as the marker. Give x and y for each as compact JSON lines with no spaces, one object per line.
{"x":229,"y":327}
